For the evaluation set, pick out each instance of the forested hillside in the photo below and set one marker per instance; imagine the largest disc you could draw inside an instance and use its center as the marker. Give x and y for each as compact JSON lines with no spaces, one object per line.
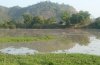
{"x":4,"y":14}
{"x":46,"y":15}
{"x":43,"y":9}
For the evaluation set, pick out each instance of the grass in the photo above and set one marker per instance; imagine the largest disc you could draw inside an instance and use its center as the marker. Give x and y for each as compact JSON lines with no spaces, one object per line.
{"x":26,"y":39}
{"x":49,"y":59}
{"x":40,"y":38}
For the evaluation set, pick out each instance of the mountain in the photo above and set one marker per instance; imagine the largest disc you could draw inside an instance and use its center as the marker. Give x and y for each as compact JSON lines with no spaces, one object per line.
{"x":43,"y":9}
{"x":4,"y":14}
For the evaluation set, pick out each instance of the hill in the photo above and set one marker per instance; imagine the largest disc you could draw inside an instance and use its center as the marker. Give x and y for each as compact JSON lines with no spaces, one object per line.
{"x":43,"y":9}
{"x":4,"y":14}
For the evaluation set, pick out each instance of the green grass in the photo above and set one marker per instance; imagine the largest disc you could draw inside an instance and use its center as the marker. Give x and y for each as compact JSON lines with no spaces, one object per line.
{"x":84,"y":40}
{"x":41,"y":38}
{"x":26,"y":39}
{"x":49,"y":59}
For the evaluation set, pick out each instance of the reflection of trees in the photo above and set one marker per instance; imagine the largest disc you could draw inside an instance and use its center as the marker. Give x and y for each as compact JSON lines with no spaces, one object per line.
{"x":62,"y":39}
{"x":94,"y":32}
{"x":81,"y":39}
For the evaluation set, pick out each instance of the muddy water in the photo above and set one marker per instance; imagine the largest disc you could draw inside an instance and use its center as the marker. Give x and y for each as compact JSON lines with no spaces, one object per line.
{"x":68,"y":41}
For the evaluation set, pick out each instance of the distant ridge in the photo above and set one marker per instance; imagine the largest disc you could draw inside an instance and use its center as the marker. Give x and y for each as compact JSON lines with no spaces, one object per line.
{"x":44,"y":9}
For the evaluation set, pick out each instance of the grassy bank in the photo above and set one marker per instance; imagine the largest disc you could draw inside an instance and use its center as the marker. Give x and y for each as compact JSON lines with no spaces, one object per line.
{"x":50,"y":59}
{"x":26,"y":39}
{"x":41,"y":38}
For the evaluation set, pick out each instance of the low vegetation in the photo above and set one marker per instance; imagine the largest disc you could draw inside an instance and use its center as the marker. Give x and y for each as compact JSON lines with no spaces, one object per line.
{"x":63,"y":39}
{"x":26,"y":38}
{"x":49,"y":59}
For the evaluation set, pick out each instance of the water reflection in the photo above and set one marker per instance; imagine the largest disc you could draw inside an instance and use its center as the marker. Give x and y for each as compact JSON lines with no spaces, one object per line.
{"x":18,"y":51}
{"x":69,"y":41}
{"x":92,"y":48}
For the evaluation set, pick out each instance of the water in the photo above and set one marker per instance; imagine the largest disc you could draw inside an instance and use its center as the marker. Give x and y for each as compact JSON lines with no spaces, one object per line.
{"x":68,"y":41}
{"x":92,"y":48}
{"x":17,"y":51}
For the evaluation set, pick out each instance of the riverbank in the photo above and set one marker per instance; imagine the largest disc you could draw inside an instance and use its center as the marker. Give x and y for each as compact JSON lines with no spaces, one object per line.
{"x":49,"y":59}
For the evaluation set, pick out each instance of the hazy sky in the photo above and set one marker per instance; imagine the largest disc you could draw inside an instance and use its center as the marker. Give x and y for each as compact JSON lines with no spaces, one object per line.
{"x":89,"y":5}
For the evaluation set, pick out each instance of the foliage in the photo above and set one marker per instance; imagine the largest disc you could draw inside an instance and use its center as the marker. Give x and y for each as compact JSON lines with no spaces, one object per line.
{"x":51,"y":20}
{"x":96,"y":24}
{"x":81,"y":18}
{"x":36,"y":20}
{"x":9,"y":24}
{"x":66,"y":18}
{"x":27,"y":18}
{"x":26,"y":38}
{"x":49,"y":59}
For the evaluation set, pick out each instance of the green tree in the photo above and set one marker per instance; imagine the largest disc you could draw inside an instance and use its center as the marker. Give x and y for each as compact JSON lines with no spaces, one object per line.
{"x":80,"y":19}
{"x":51,"y":20}
{"x":9,"y":24}
{"x":96,"y":24}
{"x":36,"y":20}
{"x":65,"y":18}
{"x":84,"y":17}
{"x":27,"y":19}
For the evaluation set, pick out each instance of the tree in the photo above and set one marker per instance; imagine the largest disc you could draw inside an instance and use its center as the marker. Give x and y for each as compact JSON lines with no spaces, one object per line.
{"x":74,"y":19}
{"x":84,"y":17}
{"x":96,"y":24}
{"x":51,"y":20}
{"x":9,"y":24}
{"x":80,"y":19}
{"x":65,"y":18}
{"x":36,"y":20}
{"x":27,"y":19}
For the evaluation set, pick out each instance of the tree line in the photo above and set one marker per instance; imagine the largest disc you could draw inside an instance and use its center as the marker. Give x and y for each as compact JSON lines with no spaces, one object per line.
{"x":81,"y":19}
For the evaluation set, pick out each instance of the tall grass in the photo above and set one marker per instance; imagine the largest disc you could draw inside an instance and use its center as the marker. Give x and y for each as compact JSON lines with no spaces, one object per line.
{"x":49,"y":59}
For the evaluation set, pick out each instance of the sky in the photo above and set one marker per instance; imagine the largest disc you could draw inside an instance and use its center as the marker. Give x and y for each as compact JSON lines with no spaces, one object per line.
{"x":86,"y":5}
